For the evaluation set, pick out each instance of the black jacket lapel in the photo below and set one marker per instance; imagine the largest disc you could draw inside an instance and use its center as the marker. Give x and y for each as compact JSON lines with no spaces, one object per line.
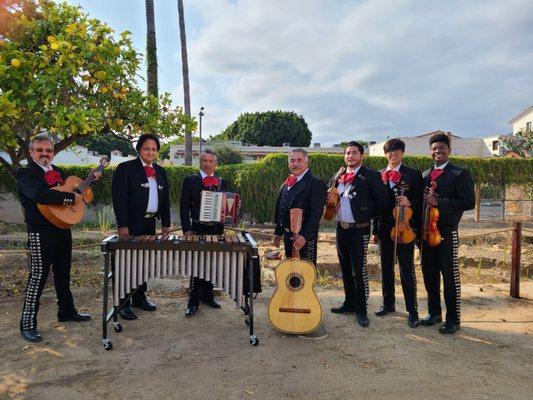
{"x":300,"y":185}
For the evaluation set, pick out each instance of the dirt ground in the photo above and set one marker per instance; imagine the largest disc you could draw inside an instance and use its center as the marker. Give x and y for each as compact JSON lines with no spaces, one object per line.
{"x":164,"y":355}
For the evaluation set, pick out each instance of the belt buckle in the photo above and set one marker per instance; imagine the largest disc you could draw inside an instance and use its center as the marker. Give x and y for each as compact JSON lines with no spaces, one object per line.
{"x":345,"y":225}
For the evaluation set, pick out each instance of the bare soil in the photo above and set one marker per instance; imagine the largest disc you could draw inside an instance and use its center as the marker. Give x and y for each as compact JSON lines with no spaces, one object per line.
{"x":164,"y":355}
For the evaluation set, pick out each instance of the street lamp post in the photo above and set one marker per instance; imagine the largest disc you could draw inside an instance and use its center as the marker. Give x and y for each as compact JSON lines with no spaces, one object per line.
{"x":201,"y":114}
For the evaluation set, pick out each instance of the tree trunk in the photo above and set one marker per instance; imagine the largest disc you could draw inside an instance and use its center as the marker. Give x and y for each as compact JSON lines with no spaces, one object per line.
{"x":151,"y":49}
{"x":185,"y":72}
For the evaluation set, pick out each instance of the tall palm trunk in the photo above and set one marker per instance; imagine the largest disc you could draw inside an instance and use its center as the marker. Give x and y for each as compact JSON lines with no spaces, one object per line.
{"x":185,"y":72}
{"x":151,"y":49}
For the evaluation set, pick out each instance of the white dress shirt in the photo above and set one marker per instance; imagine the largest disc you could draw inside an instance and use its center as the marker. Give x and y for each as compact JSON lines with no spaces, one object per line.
{"x":344,"y":213}
{"x":153,"y":196}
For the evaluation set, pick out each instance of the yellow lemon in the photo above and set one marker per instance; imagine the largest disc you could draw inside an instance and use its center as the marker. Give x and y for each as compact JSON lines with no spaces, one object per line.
{"x":15,"y":63}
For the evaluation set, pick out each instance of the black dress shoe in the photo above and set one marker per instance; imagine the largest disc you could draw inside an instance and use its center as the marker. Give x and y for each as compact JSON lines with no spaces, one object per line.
{"x":362,"y":319}
{"x":431,"y":320}
{"x":449,"y":327}
{"x":32,"y":335}
{"x":145,"y":305}
{"x":189,"y":312}
{"x":75,"y":316}
{"x":413,"y":320}
{"x":127,"y":314}
{"x":212,"y":303}
{"x":344,"y":309}
{"x":384,"y":311}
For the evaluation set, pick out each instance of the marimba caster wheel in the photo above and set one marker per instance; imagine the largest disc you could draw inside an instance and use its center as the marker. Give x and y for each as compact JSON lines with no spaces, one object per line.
{"x":117,"y":326}
{"x":254,"y":341}
{"x":108,"y":344}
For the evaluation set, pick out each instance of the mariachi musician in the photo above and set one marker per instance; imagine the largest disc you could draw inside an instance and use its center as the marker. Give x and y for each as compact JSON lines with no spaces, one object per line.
{"x":398,"y":177}
{"x":362,"y":196}
{"x":140,"y":195}
{"x":190,"y":201}
{"x":453,"y":194}
{"x":48,"y":244}
{"x":302,"y":190}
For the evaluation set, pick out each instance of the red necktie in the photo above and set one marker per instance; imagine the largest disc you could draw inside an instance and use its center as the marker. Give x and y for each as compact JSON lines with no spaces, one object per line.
{"x":347,"y":178}
{"x":209,"y":181}
{"x":391,"y":176}
{"x":149,"y":171}
{"x":435,"y":174}
{"x":291,"y":180}
{"x":53,"y":178}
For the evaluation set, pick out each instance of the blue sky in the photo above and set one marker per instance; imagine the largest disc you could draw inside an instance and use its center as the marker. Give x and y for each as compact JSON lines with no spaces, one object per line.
{"x":354,"y":69}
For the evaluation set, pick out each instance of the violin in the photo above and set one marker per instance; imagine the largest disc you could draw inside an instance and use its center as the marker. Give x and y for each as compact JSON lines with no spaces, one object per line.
{"x":402,"y":231}
{"x":430,"y":217}
{"x":333,"y":196}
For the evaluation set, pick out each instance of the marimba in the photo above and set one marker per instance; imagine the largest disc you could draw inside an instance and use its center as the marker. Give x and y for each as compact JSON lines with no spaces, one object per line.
{"x":224,"y":260}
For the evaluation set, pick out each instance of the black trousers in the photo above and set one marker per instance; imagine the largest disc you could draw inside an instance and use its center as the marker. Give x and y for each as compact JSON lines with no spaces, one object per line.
{"x":308,"y":252}
{"x":49,"y":246}
{"x":405,"y":255}
{"x":145,"y":226}
{"x":442,"y":259}
{"x":352,"y":247}
{"x":200,"y":289}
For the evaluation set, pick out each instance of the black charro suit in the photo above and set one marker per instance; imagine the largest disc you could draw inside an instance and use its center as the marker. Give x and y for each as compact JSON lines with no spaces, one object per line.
{"x":130,"y":190}
{"x":411,"y":179}
{"x":367,"y":197}
{"x":190,"y":200}
{"x":455,"y":190}
{"x":309,"y":194}
{"x":48,"y":244}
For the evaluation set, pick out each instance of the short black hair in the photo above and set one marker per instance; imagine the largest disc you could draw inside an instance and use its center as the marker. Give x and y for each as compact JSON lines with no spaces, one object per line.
{"x":144,"y":137}
{"x":355,"y":144}
{"x":439,"y":137}
{"x":394,"y":144}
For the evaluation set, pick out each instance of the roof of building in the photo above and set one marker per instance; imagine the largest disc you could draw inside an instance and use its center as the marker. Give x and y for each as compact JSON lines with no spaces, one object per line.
{"x":522,"y":114}
{"x":435,"y":132}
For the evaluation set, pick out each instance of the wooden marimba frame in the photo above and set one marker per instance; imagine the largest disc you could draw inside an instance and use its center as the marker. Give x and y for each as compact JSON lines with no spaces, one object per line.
{"x":219,"y":259}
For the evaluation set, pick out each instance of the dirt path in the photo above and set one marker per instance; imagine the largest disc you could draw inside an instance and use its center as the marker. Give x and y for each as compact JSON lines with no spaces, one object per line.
{"x":166,"y":356}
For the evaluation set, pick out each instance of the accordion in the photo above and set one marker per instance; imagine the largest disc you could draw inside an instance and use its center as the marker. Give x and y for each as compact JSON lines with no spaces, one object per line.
{"x":223,"y":207}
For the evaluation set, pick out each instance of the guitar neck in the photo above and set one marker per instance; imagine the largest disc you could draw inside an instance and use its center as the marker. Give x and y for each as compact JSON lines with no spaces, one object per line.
{"x":89,"y":180}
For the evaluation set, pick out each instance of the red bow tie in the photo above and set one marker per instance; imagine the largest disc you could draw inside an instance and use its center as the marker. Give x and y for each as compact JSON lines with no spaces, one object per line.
{"x":209,"y":181}
{"x":53,"y":178}
{"x":291,"y":180}
{"x":149,"y":171}
{"x":435,"y":174}
{"x":347,"y":178}
{"x":391,"y":176}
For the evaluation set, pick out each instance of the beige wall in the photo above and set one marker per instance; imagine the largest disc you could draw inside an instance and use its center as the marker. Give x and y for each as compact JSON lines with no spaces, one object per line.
{"x":420,"y":146}
{"x":520,"y":124}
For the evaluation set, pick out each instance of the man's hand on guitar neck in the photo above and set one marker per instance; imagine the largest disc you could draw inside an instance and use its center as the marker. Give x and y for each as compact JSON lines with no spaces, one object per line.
{"x":97,"y":174}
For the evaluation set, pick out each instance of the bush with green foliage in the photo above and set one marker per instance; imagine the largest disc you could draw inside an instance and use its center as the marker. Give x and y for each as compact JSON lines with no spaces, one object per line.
{"x":227,"y":155}
{"x":271,"y":128}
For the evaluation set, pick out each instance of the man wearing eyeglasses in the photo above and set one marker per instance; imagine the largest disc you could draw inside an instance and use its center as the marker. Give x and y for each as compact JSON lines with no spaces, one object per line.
{"x":48,"y":244}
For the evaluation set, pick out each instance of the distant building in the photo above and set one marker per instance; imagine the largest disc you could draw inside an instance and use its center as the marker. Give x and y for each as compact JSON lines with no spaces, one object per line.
{"x":473,"y":147}
{"x":523,"y":121}
{"x":250,"y":153}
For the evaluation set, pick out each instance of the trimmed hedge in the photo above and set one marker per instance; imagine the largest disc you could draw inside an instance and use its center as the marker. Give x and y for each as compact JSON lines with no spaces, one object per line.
{"x":258,"y":183}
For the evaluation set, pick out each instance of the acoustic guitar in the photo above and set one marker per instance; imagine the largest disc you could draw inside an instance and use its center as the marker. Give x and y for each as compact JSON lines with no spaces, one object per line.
{"x":294,"y":307}
{"x":67,"y":216}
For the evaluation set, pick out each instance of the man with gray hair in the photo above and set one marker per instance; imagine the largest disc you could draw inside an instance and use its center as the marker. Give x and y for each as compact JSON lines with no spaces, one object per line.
{"x":191,"y":196}
{"x":48,"y":244}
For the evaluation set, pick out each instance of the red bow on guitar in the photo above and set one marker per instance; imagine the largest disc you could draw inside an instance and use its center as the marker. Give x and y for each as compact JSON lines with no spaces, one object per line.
{"x":149,"y":171}
{"x":209,"y":181}
{"x":391,"y":176}
{"x":53,"y":178}
{"x":435,"y":174}
{"x":346,"y":178}
{"x":291,"y":180}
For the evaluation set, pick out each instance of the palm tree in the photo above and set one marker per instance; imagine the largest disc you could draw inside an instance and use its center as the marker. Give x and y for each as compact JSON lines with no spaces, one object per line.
{"x":151,"y":49}
{"x":185,"y":72}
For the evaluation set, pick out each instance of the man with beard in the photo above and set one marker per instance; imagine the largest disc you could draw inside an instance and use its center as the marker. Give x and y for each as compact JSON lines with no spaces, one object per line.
{"x":397,"y":177}
{"x":140,"y":195}
{"x":191,"y":196}
{"x":48,"y":244}
{"x":454,"y":194}
{"x":301,"y":190}
{"x":362,"y":196}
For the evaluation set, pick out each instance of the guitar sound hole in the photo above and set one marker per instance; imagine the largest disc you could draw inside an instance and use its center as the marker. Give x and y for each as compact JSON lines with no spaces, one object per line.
{"x":295,"y":282}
